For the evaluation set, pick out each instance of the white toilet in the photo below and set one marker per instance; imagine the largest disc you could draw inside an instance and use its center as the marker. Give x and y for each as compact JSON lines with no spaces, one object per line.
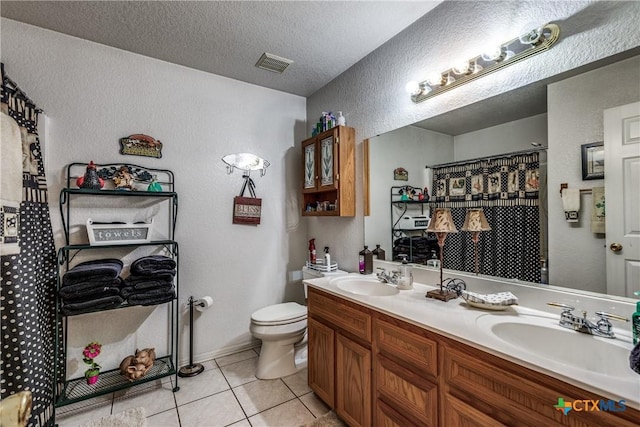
{"x":282,"y":329}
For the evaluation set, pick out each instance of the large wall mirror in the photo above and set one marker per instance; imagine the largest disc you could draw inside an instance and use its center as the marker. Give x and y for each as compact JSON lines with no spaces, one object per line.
{"x":556,"y":117}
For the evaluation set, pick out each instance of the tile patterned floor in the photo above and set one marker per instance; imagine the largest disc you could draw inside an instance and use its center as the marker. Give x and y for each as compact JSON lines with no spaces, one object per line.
{"x":227,"y":393}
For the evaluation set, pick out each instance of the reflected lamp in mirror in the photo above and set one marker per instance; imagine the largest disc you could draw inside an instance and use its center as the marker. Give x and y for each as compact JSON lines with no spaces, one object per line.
{"x":527,"y":44}
{"x":441,"y":224}
{"x":475,"y":222}
{"x":246,"y":162}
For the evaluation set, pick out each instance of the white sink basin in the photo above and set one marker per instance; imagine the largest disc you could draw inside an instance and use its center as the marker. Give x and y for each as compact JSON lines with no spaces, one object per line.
{"x":363,"y":286}
{"x":543,"y":337}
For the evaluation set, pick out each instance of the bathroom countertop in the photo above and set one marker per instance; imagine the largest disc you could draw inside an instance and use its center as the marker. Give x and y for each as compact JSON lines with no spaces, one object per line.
{"x":456,"y":320}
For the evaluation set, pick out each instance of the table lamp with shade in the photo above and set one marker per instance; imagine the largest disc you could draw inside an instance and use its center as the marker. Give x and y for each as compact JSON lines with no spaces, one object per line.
{"x":475,"y":222}
{"x":441,"y":224}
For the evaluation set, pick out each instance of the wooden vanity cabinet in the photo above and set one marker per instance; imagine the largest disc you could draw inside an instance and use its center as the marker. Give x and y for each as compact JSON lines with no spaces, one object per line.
{"x":329,"y":178}
{"x":339,"y":347}
{"x":374,"y":369}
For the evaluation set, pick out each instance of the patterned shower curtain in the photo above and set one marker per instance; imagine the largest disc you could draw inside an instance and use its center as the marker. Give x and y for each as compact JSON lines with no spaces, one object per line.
{"x":27,"y":256}
{"x":507,"y":189}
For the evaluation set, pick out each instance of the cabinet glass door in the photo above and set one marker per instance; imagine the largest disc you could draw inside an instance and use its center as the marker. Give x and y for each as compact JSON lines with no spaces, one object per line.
{"x":326,"y":161}
{"x":310,"y":166}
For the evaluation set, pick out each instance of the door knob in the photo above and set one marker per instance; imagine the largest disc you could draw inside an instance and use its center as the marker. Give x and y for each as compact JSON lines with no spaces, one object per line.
{"x":615,"y":247}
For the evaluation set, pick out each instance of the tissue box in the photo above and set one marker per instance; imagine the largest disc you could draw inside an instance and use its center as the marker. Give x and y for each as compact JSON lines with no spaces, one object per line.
{"x":118,"y":233}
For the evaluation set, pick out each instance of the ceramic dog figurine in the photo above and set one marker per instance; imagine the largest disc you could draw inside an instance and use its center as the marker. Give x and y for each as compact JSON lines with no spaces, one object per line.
{"x":136,"y":366}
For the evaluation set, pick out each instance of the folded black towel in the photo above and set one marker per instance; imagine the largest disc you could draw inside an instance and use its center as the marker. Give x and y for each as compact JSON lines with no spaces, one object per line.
{"x":162,"y":278}
{"x":93,"y":283}
{"x":89,"y":295}
{"x":151,"y":264}
{"x":127,"y":291}
{"x":634,"y":359}
{"x":143,"y":299}
{"x":97,"y":269}
{"x":93,"y":305}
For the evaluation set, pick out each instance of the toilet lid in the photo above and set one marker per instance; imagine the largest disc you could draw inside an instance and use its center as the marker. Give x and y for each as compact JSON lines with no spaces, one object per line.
{"x":280,"y":313}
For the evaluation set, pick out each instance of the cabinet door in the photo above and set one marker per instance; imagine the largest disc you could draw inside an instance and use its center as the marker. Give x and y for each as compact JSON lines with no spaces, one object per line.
{"x":328,"y":162}
{"x":309,"y":165}
{"x":353,"y":382}
{"x":321,"y":361}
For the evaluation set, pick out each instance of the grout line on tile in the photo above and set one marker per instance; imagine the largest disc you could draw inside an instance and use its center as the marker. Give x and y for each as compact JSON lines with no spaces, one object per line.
{"x":275,"y":406}
{"x":201,"y":398}
{"x":308,"y":409}
{"x":246,"y":417}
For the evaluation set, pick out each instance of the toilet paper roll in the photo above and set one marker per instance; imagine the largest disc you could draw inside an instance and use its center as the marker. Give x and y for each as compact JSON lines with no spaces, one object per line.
{"x":203,"y":303}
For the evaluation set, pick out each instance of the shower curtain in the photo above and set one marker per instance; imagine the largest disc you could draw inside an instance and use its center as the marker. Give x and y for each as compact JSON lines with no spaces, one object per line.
{"x":28,"y":269}
{"x":507,"y":189}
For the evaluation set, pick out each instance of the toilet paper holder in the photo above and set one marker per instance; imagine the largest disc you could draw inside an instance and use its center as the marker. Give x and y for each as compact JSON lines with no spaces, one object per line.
{"x":193,"y":369}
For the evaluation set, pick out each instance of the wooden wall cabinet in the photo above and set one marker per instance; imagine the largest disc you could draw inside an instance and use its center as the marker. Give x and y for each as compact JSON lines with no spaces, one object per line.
{"x":328,"y":164}
{"x":340,"y":343}
{"x":420,"y":378}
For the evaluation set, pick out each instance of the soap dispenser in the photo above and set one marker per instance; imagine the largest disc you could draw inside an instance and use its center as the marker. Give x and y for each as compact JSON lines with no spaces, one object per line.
{"x":365,"y":261}
{"x":406,"y":276}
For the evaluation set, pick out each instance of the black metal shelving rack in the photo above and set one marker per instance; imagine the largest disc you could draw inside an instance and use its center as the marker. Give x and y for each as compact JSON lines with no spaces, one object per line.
{"x":69,"y":391}
{"x":396,"y":232}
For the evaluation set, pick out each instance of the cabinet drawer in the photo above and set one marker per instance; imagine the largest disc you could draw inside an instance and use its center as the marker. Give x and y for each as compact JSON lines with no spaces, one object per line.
{"x":407,"y":392}
{"x":408,"y":347}
{"x":457,"y":413}
{"x":506,"y":392}
{"x":340,"y":314}
{"x":386,"y":416}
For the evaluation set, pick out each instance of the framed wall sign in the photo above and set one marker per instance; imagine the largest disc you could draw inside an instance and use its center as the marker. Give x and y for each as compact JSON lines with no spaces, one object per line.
{"x":593,"y":160}
{"x":247,"y":210}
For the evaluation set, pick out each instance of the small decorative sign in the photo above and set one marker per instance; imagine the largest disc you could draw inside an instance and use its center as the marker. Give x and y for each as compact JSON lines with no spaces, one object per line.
{"x":400,"y":174}
{"x":246,"y":210}
{"x":118,"y":233}
{"x":141,"y":145}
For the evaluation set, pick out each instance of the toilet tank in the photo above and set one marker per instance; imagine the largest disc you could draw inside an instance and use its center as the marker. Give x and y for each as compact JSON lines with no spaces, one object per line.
{"x":308,"y":273}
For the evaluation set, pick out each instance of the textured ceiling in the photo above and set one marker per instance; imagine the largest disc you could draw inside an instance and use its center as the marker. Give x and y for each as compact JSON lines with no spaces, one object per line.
{"x":323,"y":38}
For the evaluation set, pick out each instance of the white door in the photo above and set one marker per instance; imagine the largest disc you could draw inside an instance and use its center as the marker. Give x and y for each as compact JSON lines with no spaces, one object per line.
{"x":622,"y":197}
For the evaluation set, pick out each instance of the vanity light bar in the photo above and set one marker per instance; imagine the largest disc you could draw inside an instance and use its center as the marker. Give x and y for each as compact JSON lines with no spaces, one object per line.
{"x":526,"y":45}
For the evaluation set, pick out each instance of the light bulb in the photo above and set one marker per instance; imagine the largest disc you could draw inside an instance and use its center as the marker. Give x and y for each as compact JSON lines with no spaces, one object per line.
{"x":461,"y":67}
{"x":435,"y":79}
{"x":492,"y":54}
{"x":412,"y":88}
{"x":476,"y":68}
{"x":531,"y":34}
{"x":449,"y":79}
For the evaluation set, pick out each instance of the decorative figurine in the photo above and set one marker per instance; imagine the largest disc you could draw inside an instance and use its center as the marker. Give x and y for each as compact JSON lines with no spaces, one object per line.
{"x":123,"y":179}
{"x":136,"y":366}
{"x":90,"y":180}
{"x":154,"y":185}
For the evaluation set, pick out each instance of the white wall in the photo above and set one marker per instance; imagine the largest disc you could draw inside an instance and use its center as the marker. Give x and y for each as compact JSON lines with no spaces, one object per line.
{"x":93,"y":95}
{"x":589,"y":31}
{"x":411,"y":148}
{"x":576,"y":108}
{"x":505,"y":138}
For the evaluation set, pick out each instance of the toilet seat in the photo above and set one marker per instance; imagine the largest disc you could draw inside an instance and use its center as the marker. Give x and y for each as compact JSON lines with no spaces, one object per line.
{"x":279,"y":314}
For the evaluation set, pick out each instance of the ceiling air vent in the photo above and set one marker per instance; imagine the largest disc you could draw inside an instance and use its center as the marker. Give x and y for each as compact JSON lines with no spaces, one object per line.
{"x":273,"y":63}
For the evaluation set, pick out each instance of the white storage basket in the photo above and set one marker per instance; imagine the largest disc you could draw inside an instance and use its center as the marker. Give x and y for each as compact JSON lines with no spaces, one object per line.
{"x":118,"y":233}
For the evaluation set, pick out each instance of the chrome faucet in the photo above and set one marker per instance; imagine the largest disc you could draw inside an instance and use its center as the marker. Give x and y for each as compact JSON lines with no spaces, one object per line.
{"x":391,"y":277}
{"x":601,"y":328}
